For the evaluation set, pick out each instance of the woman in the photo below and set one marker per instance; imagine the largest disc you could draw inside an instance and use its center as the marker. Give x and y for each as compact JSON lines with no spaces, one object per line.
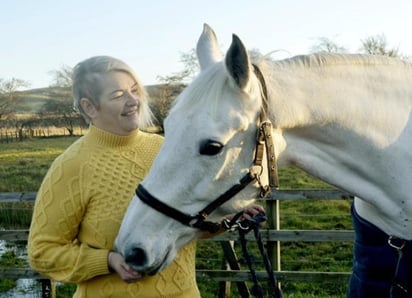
{"x":83,"y":197}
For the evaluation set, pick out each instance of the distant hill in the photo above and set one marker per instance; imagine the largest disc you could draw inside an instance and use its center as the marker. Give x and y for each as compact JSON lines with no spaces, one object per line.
{"x":31,"y":101}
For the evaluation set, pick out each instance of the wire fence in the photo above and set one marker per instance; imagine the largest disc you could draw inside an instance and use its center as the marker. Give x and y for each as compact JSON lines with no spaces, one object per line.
{"x":305,"y":265}
{"x":18,"y":135}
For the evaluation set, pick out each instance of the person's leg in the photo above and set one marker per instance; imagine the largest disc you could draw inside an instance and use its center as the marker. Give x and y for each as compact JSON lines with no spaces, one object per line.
{"x":374,"y":261}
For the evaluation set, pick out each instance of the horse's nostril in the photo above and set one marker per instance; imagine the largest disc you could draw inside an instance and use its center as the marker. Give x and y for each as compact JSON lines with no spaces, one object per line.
{"x":136,"y":256}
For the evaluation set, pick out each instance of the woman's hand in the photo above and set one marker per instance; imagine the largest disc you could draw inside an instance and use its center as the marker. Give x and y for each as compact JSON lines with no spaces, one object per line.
{"x":126,"y":273}
{"x":248,"y":213}
{"x":252,"y":211}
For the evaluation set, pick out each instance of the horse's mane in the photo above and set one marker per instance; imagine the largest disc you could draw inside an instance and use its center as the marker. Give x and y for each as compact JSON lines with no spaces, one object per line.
{"x":296,"y":69}
{"x":208,"y":85}
{"x":329,"y":59}
{"x":271,"y":68}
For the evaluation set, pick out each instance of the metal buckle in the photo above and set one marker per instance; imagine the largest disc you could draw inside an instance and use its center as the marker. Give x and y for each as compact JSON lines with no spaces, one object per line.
{"x":396,"y":243}
{"x":226,"y":224}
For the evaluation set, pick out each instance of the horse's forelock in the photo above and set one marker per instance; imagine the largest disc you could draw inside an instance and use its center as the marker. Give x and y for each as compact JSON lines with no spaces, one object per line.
{"x":206,"y":90}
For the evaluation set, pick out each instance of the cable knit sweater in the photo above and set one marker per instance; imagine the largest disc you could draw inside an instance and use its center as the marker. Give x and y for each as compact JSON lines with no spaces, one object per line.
{"x":78,"y":212}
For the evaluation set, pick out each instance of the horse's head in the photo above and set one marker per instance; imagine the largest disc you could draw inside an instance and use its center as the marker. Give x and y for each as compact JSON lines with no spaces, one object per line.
{"x":210,"y":137}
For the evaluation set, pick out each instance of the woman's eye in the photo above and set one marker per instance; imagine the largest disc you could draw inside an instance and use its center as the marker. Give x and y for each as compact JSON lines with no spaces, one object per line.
{"x":117,"y":95}
{"x":210,"y":147}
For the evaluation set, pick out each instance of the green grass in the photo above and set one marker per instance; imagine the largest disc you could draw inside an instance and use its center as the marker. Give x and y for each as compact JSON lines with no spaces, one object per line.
{"x":24,"y":164}
{"x":16,"y":215}
{"x":10,"y":259}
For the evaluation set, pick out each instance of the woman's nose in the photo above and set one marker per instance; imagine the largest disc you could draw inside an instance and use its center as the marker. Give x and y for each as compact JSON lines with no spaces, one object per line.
{"x":133,"y":98}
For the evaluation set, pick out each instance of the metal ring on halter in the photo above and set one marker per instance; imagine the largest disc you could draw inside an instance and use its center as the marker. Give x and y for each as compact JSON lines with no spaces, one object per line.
{"x":255,"y":171}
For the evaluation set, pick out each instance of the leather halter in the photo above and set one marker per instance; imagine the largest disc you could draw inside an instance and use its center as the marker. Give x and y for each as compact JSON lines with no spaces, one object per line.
{"x":264,"y":142}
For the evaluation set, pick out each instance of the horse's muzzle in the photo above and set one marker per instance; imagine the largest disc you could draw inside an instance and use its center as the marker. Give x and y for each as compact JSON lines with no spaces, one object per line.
{"x":142,"y":260}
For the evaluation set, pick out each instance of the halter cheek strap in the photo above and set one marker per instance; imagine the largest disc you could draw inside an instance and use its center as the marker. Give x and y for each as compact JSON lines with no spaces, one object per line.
{"x":265,"y":134}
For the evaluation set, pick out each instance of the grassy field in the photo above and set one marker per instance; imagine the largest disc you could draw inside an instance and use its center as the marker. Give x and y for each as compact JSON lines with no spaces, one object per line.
{"x":23,"y":165}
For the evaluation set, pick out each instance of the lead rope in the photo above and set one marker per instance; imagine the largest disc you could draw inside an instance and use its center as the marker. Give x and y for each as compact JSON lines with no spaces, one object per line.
{"x":398,"y":245}
{"x":244,"y":226}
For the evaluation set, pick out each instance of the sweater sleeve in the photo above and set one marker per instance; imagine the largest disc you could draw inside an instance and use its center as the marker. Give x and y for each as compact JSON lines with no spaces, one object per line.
{"x":53,"y":248}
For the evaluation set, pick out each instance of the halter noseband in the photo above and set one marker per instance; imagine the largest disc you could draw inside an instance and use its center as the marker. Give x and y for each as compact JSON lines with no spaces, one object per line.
{"x":264,"y":142}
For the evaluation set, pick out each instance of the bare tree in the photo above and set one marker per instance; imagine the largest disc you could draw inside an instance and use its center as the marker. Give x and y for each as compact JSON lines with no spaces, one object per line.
{"x":62,"y":77}
{"x":161,"y":102}
{"x":9,"y":94}
{"x":21,"y":125}
{"x":378,"y":45}
{"x":190,"y":68}
{"x":173,"y":84}
{"x":374,"y":45}
{"x":327,"y":45}
{"x":59,"y":109}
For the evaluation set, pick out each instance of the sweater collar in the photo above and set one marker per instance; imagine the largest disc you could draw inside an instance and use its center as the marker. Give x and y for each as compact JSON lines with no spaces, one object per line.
{"x":105,"y":138}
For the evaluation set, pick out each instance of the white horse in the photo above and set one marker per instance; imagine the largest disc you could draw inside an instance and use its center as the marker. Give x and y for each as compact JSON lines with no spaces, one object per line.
{"x":345,"y":119}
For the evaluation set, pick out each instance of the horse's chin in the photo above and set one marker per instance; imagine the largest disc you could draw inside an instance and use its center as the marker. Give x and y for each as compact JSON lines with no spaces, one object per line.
{"x":156,"y":270}
{"x":171,"y":253}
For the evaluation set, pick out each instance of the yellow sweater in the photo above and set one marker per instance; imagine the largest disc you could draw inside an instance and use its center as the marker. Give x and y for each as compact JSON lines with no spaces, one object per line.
{"x":78,"y":212}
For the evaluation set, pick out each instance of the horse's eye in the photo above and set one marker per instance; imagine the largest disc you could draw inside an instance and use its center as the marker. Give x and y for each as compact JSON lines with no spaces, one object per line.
{"x":210,"y":147}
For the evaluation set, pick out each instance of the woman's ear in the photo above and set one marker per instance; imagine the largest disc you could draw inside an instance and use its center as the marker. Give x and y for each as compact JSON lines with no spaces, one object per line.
{"x":88,"y":107}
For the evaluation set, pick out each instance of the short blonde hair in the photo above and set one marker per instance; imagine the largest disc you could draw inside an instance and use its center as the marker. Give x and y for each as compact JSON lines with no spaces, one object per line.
{"x":86,"y":84}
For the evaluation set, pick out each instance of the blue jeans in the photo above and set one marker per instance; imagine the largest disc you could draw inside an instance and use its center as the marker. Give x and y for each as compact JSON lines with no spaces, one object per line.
{"x":375,"y":272}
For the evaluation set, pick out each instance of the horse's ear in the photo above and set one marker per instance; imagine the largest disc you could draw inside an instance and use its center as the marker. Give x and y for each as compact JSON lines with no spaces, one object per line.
{"x":207,"y":48}
{"x":237,"y":63}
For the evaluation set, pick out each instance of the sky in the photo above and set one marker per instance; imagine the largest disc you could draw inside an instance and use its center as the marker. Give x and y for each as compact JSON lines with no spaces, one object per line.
{"x":42,"y":36}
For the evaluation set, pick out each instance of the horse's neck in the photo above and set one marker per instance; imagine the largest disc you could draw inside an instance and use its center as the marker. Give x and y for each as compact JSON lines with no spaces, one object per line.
{"x":346,"y":125}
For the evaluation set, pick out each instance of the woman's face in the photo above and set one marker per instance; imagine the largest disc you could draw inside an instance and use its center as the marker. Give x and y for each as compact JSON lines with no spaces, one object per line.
{"x":119,"y":104}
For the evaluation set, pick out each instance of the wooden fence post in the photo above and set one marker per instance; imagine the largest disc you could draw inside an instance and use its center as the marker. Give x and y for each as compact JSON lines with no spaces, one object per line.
{"x":273,"y":247}
{"x":48,"y":289}
{"x":233,"y":264}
